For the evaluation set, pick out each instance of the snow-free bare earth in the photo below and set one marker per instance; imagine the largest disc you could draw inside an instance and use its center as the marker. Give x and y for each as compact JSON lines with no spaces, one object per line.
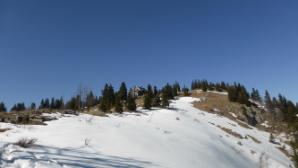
{"x":179,"y":137}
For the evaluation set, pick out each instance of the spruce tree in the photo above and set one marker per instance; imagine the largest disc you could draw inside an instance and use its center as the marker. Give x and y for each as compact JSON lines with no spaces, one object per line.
{"x":164,"y":102}
{"x":155,"y":91}
{"x":52,"y":104}
{"x":2,"y":107}
{"x":33,"y":106}
{"x":47,"y":103}
{"x":150,"y":91}
{"x":268,"y":101}
{"x":176,"y":89}
{"x":130,"y":103}
{"x":41,"y":106}
{"x":90,"y":100}
{"x":147,"y":101}
{"x":108,"y":98}
{"x":185,"y":91}
{"x":122,"y":93}
{"x":156,"y":101}
{"x":118,"y":104}
{"x":255,"y":95}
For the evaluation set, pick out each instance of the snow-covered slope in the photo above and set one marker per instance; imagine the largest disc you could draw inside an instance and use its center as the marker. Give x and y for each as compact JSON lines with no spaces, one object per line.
{"x":174,"y":138}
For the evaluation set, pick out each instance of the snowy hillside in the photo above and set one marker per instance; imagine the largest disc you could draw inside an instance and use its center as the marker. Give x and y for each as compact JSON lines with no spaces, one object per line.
{"x":180,"y":137}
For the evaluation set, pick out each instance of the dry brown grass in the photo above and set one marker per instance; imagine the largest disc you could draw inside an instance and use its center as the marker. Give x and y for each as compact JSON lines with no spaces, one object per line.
{"x":253,"y":138}
{"x":242,"y":124}
{"x":284,"y":151}
{"x":4,"y":129}
{"x":211,"y":101}
{"x":231,"y":132}
{"x":26,"y":142}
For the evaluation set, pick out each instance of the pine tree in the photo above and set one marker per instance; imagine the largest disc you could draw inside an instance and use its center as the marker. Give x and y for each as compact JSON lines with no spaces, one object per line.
{"x":156,"y":101}
{"x":90,"y":100}
{"x":268,"y":101}
{"x":33,"y":106}
{"x":52,"y":105}
{"x":205,"y":86}
{"x":118,"y":104}
{"x":176,"y":89}
{"x":255,"y":95}
{"x":2,"y":107}
{"x":150,"y":91}
{"x":164,"y":101}
{"x":19,"y":107}
{"x":72,"y":104}
{"x":41,"y":106}
{"x":147,"y":101}
{"x":155,"y":91}
{"x":108,"y":98}
{"x":131,"y":104}
{"x":47,"y":103}
{"x":122,"y":93}
{"x":185,"y":91}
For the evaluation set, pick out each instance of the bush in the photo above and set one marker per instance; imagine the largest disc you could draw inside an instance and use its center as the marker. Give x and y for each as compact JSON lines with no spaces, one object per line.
{"x":26,"y":142}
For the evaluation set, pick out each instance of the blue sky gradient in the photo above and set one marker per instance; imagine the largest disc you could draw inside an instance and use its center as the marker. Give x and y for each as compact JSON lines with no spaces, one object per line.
{"x":48,"y":48}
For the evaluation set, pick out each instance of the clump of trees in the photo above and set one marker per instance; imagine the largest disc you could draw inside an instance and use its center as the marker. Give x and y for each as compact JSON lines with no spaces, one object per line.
{"x":2,"y":107}
{"x":204,"y":85}
{"x":18,"y":107}
{"x":50,"y":104}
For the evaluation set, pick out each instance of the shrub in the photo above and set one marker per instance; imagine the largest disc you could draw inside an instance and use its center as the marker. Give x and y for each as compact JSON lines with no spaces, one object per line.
{"x":26,"y":142}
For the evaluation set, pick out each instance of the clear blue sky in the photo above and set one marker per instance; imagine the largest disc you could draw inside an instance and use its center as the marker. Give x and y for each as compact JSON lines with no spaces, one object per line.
{"x":47,"y":48}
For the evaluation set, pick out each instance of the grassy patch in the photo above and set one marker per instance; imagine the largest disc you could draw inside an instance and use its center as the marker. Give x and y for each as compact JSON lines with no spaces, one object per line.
{"x":4,"y":129}
{"x":231,"y":132}
{"x":253,"y":138}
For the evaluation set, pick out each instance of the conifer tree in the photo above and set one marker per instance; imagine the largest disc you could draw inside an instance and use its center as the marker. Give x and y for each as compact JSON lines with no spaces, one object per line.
{"x":255,"y":95}
{"x":41,"y":106}
{"x":164,"y":101}
{"x":118,"y":104}
{"x":147,"y":101}
{"x":52,"y":104}
{"x":156,"y":101}
{"x":108,"y":98}
{"x":33,"y":106}
{"x":268,"y":101}
{"x":205,"y":86}
{"x":18,"y":107}
{"x":47,"y":103}
{"x":2,"y":107}
{"x":150,"y":91}
{"x":131,"y":104}
{"x":185,"y":91}
{"x":90,"y":100}
{"x":155,"y":91}
{"x":122,"y":93}
{"x":176,"y":89}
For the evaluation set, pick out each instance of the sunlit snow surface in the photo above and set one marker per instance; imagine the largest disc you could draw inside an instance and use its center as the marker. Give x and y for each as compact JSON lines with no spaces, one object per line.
{"x":179,"y":137}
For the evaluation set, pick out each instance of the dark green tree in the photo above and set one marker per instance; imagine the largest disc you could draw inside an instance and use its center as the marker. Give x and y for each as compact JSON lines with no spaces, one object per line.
{"x":2,"y":107}
{"x":130,"y":103}
{"x":147,"y":101}
{"x":156,"y":101}
{"x":255,"y":95}
{"x":19,"y":107}
{"x":268,"y":101}
{"x":90,"y":100}
{"x":185,"y":91}
{"x":118,"y":104}
{"x":122,"y":93}
{"x":108,"y":98}
{"x":33,"y":106}
{"x":176,"y":89}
